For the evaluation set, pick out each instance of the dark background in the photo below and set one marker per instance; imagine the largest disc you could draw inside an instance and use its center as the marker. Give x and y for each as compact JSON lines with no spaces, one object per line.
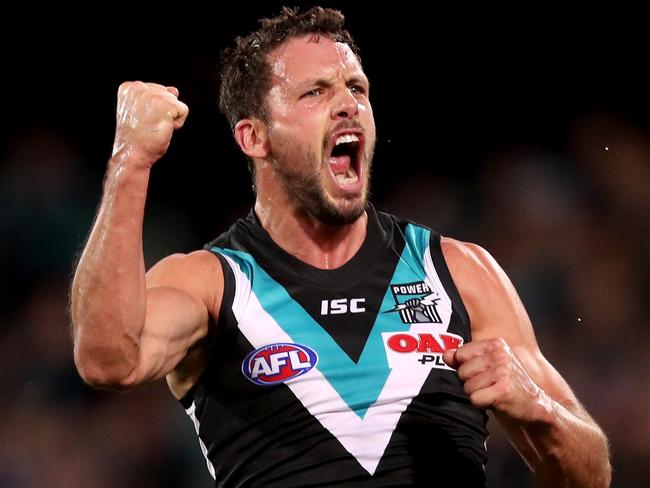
{"x":527,"y":131}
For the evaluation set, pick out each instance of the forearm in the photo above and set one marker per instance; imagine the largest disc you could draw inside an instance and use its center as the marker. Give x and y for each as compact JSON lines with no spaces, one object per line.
{"x":108,"y":292}
{"x":564,"y":448}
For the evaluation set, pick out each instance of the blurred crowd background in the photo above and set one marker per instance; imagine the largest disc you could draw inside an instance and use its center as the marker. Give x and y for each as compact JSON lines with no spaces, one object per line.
{"x":529,"y":138}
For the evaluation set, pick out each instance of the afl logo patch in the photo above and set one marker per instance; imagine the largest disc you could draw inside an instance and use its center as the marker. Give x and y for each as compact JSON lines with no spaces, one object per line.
{"x":277,"y":363}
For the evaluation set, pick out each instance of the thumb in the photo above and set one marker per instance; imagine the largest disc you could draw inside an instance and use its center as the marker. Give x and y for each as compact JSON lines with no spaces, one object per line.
{"x":449,"y":357}
{"x":173,"y":90}
{"x":181,"y":114}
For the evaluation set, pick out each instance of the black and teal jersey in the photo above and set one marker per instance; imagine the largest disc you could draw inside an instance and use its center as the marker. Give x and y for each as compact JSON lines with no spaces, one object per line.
{"x":335,"y":377}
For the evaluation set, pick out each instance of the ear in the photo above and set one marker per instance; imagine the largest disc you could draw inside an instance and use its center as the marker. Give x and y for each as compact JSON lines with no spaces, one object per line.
{"x":252,"y":137}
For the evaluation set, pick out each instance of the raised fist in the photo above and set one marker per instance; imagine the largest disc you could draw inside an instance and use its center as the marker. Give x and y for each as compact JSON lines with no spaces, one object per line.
{"x":147,"y":115}
{"x":413,"y":303}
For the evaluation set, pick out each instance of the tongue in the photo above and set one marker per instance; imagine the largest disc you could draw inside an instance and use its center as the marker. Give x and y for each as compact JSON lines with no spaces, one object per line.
{"x":340,"y":164}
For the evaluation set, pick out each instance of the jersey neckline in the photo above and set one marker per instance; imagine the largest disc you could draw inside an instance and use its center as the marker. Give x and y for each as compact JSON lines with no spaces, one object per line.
{"x":267,"y":250}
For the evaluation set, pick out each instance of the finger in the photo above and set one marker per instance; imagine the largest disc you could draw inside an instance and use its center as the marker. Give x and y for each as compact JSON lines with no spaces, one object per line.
{"x":474,"y":366}
{"x":489,"y":396}
{"x":156,"y":86}
{"x":173,"y":90}
{"x":182,"y":111}
{"x":478,"y":348}
{"x":449,"y":357}
{"x":479,"y":382}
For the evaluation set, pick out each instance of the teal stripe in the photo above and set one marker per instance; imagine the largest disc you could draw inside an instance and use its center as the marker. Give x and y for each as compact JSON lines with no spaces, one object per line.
{"x":359,"y":384}
{"x":417,"y":241}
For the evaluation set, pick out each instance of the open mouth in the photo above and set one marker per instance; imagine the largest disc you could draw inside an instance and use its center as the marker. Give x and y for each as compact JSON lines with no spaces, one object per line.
{"x":345,"y":158}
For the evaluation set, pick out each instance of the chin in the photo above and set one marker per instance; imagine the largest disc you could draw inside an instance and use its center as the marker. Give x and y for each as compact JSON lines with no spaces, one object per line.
{"x":344,"y":212}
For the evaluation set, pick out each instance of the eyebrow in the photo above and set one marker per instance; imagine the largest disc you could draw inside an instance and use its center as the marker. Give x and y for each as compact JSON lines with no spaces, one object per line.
{"x":324,"y":82}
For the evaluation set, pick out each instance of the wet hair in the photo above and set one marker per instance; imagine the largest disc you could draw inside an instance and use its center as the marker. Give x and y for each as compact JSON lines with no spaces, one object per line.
{"x":245,"y":67}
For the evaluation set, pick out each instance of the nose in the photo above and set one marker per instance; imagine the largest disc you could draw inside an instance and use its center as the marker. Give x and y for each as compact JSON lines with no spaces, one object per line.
{"x":345,"y":105}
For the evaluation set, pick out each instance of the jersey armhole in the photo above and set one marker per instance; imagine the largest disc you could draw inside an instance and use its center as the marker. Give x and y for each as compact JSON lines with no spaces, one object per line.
{"x":438,"y":259}
{"x":222,"y":320}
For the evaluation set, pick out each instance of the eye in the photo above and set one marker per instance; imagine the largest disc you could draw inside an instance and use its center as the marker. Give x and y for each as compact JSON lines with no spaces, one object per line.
{"x":313,"y":93}
{"x":358,"y":89}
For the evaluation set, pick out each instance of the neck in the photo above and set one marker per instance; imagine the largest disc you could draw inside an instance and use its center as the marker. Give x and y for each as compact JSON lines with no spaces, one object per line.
{"x":321,"y":245}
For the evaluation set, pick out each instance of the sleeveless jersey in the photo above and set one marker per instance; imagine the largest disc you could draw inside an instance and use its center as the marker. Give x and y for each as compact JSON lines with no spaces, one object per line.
{"x":335,"y":377}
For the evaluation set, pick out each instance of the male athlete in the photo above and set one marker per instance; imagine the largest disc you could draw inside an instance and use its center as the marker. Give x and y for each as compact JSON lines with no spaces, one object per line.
{"x":318,"y":342}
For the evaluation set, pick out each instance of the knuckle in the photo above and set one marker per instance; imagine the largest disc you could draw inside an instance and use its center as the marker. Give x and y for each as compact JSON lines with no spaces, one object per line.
{"x":124,"y":86}
{"x":183,"y":110}
{"x":131,"y":89}
{"x":499,"y":348}
{"x":503,"y":389}
{"x":503,"y":344}
{"x":458,"y":356}
{"x":498,"y":343}
{"x":461,"y":354}
{"x":479,"y":400}
{"x":123,"y":90}
{"x":500,"y":355}
{"x":502,"y":373}
{"x":463,"y":373}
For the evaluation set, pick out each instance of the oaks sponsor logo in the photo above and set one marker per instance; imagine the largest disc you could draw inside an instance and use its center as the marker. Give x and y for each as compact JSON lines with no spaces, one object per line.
{"x":277,"y":363}
{"x":423,"y":349}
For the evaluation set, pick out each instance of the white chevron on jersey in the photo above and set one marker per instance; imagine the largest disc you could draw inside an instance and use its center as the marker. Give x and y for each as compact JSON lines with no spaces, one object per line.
{"x":365,"y":438}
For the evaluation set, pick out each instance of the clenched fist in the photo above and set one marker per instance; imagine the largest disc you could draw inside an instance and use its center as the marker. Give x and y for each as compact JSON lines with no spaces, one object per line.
{"x":494,"y":378}
{"x":147,"y":115}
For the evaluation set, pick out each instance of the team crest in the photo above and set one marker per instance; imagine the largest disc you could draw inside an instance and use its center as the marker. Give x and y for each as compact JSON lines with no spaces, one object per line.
{"x":416,"y":303}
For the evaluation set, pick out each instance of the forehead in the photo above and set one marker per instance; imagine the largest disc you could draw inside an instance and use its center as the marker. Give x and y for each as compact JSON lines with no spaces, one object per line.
{"x":312,"y":56}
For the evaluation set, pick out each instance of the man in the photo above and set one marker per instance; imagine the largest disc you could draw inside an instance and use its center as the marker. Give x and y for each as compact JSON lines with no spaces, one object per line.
{"x":318,"y":341}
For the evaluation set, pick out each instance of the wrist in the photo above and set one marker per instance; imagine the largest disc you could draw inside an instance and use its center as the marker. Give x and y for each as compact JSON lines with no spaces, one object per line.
{"x":127,"y":155}
{"x":543,"y":409}
{"x":127,"y":170}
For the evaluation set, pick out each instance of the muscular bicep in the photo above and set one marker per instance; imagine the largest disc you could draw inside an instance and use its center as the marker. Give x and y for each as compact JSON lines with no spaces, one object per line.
{"x":174,"y":321}
{"x":183,"y":293}
{"x":495,"y":310}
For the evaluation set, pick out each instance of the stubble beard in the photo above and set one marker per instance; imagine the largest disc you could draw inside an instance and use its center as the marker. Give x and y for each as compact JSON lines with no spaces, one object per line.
{"x":306,"y":191}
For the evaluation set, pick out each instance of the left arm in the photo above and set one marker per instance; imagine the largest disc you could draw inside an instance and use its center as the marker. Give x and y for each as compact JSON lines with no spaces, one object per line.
{"x":503,"y":369}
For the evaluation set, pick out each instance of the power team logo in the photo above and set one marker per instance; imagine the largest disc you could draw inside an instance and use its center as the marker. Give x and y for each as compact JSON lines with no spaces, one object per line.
{"x":407,"y":349}
{"x":416,"y":303}
{"x":277,"y":363}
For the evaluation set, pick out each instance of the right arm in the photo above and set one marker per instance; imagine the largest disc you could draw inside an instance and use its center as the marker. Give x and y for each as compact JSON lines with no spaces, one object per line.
{"x":128,"y":327}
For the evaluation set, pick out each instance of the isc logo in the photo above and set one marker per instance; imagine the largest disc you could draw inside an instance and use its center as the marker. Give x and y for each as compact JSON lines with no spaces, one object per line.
{"x":340,"y":305}
{"x":277,"y":363}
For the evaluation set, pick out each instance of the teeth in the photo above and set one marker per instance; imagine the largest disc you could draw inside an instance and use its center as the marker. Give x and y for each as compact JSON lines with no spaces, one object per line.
{"x":348,"y":178}
{"x":345,"y":139}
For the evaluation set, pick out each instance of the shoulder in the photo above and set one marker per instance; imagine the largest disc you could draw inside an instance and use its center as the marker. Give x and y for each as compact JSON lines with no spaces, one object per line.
{"x":471,"y":265}
{"x":179,"y":264}
{"x":198,"y":273}
{"x":492,"y":302}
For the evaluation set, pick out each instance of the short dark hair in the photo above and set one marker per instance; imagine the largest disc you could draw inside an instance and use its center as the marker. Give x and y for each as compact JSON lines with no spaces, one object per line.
{"x":245,"y":70}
